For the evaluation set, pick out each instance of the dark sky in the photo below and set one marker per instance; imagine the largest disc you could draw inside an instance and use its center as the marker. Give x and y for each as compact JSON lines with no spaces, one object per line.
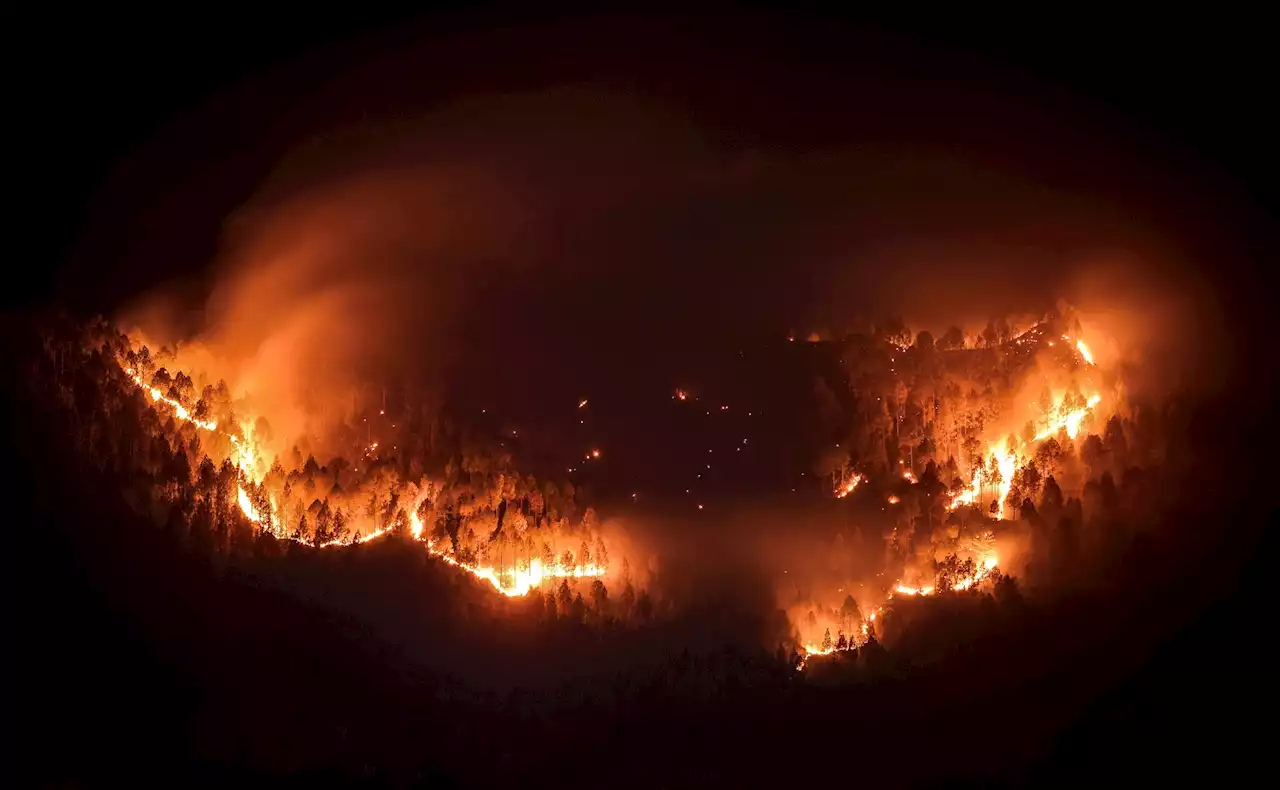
{"x":730,"y":173}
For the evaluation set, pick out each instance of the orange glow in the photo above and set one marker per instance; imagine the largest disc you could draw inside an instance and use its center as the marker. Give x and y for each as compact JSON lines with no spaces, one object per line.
{"x":1071,"y":421}
{"x":513,"y":581}
{"x":247,"y":507}
{"x":903,"y":589}
{"x":989,"y":564}
{"x":845,"y":487}
{"x":1006,"y":460}
{"x":1083,"y":349}
{"x":178,"y":408}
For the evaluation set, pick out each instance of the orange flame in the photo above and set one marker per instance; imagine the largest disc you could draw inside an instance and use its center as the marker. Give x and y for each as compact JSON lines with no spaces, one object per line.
{"x":990,"y":563}
{"x":512,"y":582}
{"x":848,"y":484}
{"x":1083,"y":349}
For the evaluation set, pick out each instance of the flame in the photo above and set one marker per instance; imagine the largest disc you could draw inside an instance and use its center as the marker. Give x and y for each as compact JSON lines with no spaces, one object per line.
{"x":1071,"y":421}
{"x":989,"y":564}
{"x":903,"y":589}
{"x":1006,"y":459}
{"x":514,"y":581}
{"x":1083,"y":349}
{"x":250,"y":511}
{"x":848,"y":484}
{"x":178,"y":408}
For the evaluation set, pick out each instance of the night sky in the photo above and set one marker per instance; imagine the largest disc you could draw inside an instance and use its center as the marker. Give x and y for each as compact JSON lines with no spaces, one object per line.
{"x":796,"y":165}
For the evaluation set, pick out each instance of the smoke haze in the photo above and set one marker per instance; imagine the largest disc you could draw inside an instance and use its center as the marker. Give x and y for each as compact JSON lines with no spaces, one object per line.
{"x":524,"y":229}
{"x":537,"y":237}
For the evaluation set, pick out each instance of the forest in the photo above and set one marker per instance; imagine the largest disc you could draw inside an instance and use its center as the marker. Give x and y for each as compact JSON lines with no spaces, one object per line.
{"x":1087,"y":506}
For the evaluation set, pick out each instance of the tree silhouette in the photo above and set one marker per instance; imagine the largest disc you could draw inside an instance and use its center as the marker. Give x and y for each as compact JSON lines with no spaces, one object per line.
{"x":952,"y":339}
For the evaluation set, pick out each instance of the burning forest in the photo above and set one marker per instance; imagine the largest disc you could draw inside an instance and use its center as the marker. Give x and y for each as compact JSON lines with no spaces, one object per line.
{"x":971,"y":479}
{"x":964,"y":471}
{"x":656,"y":421}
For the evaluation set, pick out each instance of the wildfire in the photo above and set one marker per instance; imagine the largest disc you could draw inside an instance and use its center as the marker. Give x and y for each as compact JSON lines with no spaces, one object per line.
{"x":1005,"y":459}
{"x":1071,"y":421}
{"x":513,"y":581}
{"x":903,"y":589}
{"x":848,"y":484}
{"x":1083,"y":349}
{"x":990,"y":563}
{"x":178,"y":408}
{"x":250,"y":511}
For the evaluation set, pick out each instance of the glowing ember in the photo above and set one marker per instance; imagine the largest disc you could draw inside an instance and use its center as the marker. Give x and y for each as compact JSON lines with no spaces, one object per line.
{"x":846,"y":486}
{"x":1083,"y":349}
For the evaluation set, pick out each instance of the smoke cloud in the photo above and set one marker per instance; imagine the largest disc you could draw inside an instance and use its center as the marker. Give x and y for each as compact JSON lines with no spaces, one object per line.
{"x":539,"y":221}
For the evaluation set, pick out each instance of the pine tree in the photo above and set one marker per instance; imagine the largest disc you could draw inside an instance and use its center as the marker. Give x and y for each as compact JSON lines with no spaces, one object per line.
{"x":338,"y":530}
{"x":301,"y":531}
